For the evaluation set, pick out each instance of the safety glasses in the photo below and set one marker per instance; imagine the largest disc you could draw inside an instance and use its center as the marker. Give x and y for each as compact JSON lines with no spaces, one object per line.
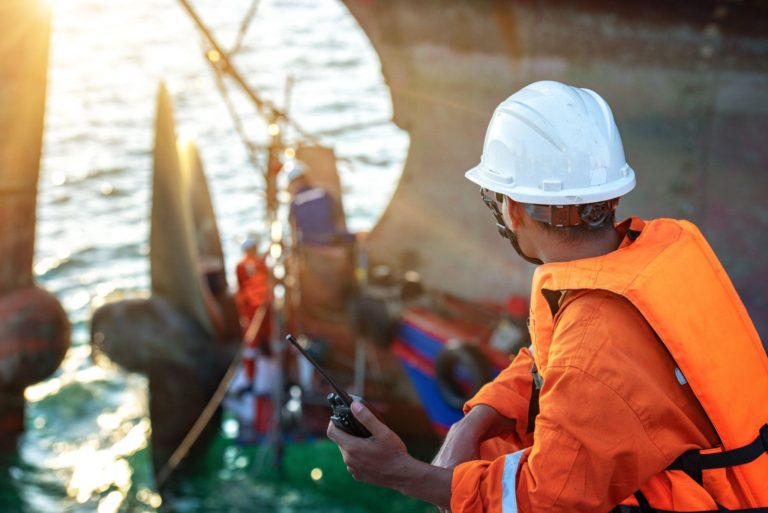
{"x":494,"y":200}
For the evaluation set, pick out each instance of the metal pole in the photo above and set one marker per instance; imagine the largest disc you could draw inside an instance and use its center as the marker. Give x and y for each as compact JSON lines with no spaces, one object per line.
{"x":24,"y":39}
{"x":34,"y":330}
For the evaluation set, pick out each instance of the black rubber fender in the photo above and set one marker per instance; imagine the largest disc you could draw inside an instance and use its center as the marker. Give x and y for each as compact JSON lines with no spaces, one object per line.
{"x":455,"y":355}
{"x":372,"y":320}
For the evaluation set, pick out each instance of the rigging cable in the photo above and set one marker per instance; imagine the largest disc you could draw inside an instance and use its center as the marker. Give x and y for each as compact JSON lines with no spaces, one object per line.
{"x":251,"y":147}
{"x":244,"y":26}
{"x":266,"y":107}
{"x":222,"y":65}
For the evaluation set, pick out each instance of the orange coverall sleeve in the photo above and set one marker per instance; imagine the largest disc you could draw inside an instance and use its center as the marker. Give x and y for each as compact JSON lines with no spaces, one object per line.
{"x":510,"y":392}
{"x":599,"y":435}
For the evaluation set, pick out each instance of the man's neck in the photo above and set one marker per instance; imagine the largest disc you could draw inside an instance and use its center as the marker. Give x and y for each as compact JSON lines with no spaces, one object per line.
{"x":563,"y":251}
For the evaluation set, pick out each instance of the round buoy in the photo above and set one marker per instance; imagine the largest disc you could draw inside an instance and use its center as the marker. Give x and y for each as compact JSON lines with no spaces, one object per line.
{"x":34,"y":337}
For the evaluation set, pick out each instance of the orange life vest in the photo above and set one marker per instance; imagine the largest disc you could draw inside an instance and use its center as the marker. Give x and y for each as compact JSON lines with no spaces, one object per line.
{"x":672,"y":276}
{"x":253,"y":285}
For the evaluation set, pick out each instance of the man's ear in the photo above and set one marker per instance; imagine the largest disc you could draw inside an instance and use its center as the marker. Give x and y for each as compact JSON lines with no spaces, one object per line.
{"x":514,"y":213}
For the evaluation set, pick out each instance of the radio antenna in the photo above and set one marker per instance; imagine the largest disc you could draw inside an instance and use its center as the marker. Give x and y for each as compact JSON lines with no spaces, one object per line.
{"x":342,"y":393}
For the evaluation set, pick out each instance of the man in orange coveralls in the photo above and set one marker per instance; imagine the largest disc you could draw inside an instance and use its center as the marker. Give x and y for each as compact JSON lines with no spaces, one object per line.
{"x":646,"y":385}
{"x":252,"y":291}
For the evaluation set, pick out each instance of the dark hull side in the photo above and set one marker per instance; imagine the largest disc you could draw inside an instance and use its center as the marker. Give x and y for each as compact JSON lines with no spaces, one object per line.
{"x":34,"y":329}
{"x":688,"y":84}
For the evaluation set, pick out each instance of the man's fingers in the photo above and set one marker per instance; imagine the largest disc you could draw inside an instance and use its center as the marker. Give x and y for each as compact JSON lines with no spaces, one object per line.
{"x":339,"y":436}
{"x":353,"y":473}
{"x":330,"y":432}
{"x":344,"y":440}
{"x":368,"y":419}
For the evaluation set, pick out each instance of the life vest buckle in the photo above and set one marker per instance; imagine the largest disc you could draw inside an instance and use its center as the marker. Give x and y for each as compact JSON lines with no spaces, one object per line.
{"x":691,"y":464}
{"x":764,"y":436}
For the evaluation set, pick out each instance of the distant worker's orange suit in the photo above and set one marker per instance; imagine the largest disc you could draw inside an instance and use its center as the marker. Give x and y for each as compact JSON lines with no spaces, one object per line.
{"x":252,"y":291}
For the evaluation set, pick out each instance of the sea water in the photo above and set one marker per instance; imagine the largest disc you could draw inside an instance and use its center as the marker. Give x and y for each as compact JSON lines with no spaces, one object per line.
{"x":86,"y":448}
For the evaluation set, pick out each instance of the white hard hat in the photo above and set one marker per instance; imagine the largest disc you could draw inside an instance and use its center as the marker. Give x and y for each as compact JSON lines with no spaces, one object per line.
{"x":554,"y":144}
{"x":296,"y":169}
{"x":250,"y":242}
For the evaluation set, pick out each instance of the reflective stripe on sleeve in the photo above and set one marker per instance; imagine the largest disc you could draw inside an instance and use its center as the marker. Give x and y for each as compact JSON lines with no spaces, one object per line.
{"x":508,"y":482}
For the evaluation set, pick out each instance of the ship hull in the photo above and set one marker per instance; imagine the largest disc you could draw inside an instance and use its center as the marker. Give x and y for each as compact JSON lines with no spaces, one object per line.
{"x":688,"y":84}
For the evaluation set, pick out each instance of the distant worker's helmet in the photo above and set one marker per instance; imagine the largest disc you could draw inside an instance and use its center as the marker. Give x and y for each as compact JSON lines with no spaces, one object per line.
{"x":296,"y":169}
{"x":554,"y":144}
{"x":250,"y":242}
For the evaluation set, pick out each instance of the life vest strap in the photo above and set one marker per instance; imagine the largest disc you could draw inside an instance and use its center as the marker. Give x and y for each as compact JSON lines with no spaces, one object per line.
{"x":642,"y":503}
{"x":533,"y":404}
{"x":622,"y":508}
{"x":694,"y":462}
{"x":644,"y":507}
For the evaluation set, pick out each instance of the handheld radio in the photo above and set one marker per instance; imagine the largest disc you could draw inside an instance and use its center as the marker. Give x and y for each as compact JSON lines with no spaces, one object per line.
{"x":340,"y":401}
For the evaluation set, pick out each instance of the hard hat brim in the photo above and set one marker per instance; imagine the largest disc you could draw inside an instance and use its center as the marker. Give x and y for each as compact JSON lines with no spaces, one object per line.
{"x":483,"y":177}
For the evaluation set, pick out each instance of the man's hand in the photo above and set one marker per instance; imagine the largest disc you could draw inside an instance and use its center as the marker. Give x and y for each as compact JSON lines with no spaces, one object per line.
{"x":383,"y":460}
{"x":463,"y":439}
{"x":377,"y":459}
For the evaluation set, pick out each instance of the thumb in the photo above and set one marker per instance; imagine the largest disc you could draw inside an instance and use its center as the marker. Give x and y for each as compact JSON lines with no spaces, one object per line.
{"x":368,"y":419}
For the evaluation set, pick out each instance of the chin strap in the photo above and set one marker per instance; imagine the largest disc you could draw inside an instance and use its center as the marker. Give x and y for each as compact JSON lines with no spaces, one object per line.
{"x":515,"y":244}
{"x":492,"y":201}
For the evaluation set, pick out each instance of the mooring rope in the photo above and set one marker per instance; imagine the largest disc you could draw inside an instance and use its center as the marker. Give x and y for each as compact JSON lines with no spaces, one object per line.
{"x":210,"y":409}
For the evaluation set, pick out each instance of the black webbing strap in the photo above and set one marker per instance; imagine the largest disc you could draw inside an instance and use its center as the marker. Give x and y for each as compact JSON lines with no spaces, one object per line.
{"x":643,"y":506}
{"x":642,"y":503}
{"x":694,"y":462}
{"x":533,"y":404}
{"x":690,"y":463}
{"x":621,"y":508}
